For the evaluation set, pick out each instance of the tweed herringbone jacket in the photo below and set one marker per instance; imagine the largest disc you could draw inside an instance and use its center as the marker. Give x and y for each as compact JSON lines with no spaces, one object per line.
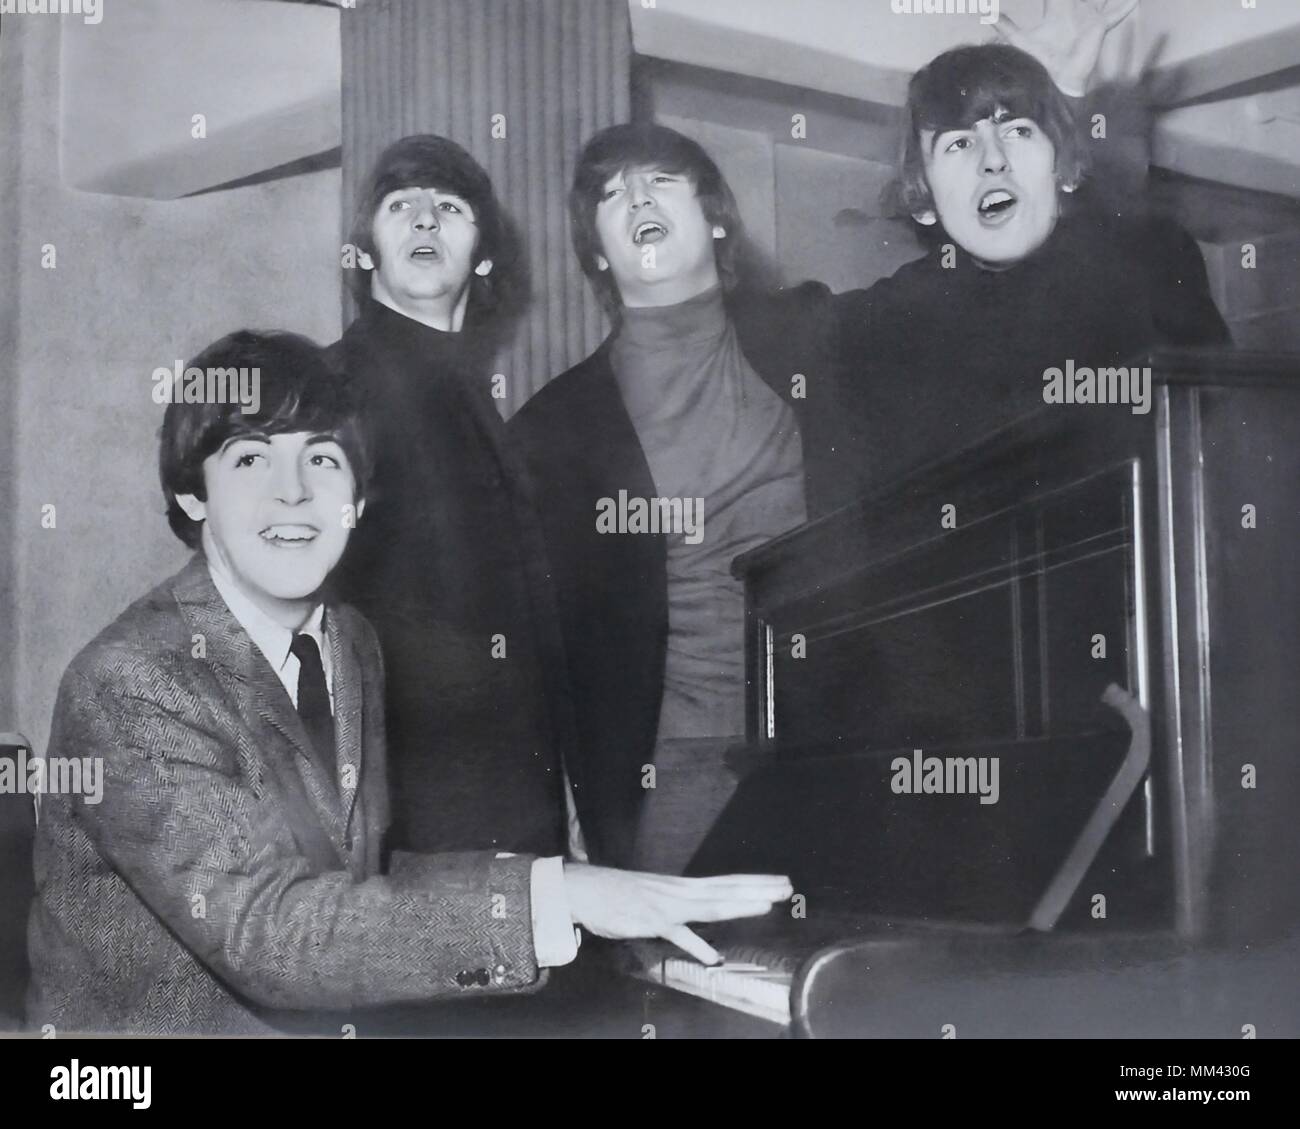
{"x":222,"y":885}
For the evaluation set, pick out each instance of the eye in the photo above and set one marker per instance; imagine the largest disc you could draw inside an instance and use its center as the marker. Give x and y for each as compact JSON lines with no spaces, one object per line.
{"x":610,"y":193}
{"x":448,"y":206}
{"x":1021,"y":131}
{"x":247,"y":458}
{"x":399,"y":205}
{"x":958,"y":144}
{"x":663,"y":178}
{"x":320,"y":458}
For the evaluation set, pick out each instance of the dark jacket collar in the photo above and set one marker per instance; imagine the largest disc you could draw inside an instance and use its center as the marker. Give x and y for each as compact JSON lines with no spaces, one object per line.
{"x":414,"y":346}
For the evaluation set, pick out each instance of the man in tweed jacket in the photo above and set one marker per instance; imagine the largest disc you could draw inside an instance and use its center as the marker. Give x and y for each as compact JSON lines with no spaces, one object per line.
{"x":229,"y":879}
{"x":224,"y":874}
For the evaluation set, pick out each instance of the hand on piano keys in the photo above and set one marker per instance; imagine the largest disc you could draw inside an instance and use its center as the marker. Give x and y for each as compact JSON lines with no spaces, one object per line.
{"x":747,"y":980}
{"x":626,"y":905}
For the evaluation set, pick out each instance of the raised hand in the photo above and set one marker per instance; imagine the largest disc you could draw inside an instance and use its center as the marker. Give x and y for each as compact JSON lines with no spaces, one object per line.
{"x":1068,"y":41}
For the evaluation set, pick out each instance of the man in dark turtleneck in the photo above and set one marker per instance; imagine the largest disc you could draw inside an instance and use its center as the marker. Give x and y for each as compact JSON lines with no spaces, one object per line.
{"x":716,"y":396}
{"x":446,"y":563}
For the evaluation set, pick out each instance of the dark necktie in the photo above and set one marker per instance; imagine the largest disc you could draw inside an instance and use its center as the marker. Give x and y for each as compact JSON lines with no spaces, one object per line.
{"x":314,"y":702}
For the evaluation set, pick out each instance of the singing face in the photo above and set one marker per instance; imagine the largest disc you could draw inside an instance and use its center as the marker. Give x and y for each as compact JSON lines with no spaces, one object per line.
{"x":425,"y":241}
{"x":994,"y":186}
{"x":654,"y":237}
{"x":277,"y":516}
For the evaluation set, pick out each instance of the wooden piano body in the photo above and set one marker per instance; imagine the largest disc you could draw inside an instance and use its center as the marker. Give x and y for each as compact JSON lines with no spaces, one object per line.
{"x":986,"y":600}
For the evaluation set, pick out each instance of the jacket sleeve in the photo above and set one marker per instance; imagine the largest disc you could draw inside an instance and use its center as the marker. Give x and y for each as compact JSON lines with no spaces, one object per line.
{"x":208,"y":850}
{"x":1181,"y":303}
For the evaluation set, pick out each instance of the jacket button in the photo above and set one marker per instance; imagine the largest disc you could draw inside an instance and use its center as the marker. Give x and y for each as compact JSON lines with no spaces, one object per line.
{"x":483,"y":977}
{"x":464,"y":978}
{"x":499,"y":973}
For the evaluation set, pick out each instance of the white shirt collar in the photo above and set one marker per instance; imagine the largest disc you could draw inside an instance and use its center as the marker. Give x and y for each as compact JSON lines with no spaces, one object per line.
{"x":268,"y":636}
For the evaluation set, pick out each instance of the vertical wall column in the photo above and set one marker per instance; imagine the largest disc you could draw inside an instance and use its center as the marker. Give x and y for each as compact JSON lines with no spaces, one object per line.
{"x":11,"y":248}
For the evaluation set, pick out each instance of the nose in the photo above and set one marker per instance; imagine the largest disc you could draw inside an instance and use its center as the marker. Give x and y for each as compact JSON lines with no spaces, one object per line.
{"x":425,"y":217}
{"x":994,"y":156}
{"x":290,"y":483}
{"x":638,"y":192}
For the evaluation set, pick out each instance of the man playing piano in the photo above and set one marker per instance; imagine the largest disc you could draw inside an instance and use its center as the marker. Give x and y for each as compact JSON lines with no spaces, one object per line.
{"x":228,"y":879}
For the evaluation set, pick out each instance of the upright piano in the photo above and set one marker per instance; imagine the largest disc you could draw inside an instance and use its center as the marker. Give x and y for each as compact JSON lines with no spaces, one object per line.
{"x":977,"y":608}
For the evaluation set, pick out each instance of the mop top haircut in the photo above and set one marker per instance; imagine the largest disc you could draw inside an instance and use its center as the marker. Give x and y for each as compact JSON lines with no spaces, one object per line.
{"x":967,"y":85}
{"x":646,"y":145}
{"x":300,"y":391}
{"x":425,"y":160}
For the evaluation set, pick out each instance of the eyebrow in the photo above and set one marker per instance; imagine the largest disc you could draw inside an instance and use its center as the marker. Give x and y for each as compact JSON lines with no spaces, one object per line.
{"x":1000,"y":116}
{"x":437,"y":191}
{"x":647,"y":170}
{"x":262,"y":437}
{"x":240,"y":437}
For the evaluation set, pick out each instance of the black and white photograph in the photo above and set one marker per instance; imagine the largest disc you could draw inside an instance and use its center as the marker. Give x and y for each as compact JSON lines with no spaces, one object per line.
{"x":650,"y":520}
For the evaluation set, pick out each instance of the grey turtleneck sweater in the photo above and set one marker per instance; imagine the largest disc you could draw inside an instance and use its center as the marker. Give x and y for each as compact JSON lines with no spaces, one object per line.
{"x":711,"y":429}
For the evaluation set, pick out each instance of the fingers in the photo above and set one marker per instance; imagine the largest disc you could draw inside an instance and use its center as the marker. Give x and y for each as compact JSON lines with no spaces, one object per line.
{"x":1009,"y":30}
{"x":757,"y":883}
{"x":717,"y":881}
{"x":726,"y":910}
{"x":766,"y":888}
{"x":1120,"y":14}
{"x":686,"y":940}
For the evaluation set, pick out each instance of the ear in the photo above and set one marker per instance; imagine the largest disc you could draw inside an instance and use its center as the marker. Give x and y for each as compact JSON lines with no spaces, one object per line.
{"x":365,"y":261}
{"x":719,"y":232}
{"x":361,"y":507}
{"x":194,"y":509}
{"x":482,"y":270}
{"x":926,"y":218}
{"x":602,"y":263}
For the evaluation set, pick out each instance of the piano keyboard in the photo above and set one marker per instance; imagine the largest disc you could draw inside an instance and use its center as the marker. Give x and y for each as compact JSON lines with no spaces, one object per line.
{"x":756,"y":987}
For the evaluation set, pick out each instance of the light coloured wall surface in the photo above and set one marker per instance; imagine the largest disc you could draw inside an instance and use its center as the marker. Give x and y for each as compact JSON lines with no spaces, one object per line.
{"x":10,"y":178}
{"x":137,"y":284}
{"x":264,"y":78}
{"x":830,"y":223}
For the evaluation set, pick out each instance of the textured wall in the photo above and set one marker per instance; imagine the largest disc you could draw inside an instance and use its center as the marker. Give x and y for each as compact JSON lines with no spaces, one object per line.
{"x":10,"y":178}
{"x":138,"y":284}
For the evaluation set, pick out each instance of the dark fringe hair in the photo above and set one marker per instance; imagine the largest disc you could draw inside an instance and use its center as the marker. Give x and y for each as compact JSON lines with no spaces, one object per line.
{"x":966,"y":85}
{"x":299,"y":390}
{"x":425,"y":160}
{"x":647,"y":145}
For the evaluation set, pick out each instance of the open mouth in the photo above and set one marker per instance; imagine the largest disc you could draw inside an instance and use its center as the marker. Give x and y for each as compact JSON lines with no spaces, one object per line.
{"x":652,"y":231}
{"x":996,"y":205}
{"x":289,"y":536}
{"x":426,"y":254}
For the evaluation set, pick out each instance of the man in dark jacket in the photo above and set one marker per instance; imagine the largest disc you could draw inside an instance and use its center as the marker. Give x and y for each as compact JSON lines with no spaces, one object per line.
{"x":711,"y":398}
{"x":875,"y":381}
{"x":447,"y":563}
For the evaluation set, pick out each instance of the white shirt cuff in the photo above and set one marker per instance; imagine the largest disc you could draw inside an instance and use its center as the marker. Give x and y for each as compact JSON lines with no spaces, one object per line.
{"x":555,"y":939}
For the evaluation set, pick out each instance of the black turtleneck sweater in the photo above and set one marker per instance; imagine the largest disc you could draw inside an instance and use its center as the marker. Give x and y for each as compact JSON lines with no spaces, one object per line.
{"x":447,"y":564}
